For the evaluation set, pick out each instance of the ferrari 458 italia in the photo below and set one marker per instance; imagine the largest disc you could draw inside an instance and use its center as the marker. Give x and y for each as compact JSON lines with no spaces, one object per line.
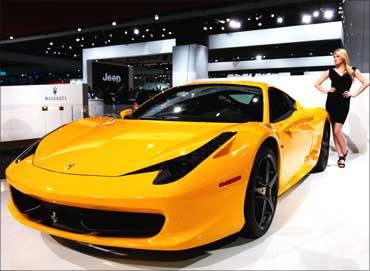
{"x":190,"y":166}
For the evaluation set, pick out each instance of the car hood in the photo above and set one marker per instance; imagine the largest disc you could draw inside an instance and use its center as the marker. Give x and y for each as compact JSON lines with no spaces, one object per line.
{"x":113,"y":147}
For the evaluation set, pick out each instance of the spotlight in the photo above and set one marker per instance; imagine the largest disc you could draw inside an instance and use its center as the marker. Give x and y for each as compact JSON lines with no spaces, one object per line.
{"x":11,"y":37}
{"x":74,"y":55}
{"x":170,"y":33}
{"x":147,"y":30}
{"x":316,"y":14}
{"x":210,"y":28}
{"x":70,"y":47}
{"x":328,"y":14}
{"x":280,"y":20}
{"x":222,"y":28}
{"x":306,"y":19}
{"x":126,"y":32}
{"x":143,"y":36}
{"x":227,"y":20}
{"x":259,"y":24}
{"x":234,"y":24}
{"x":136,"y":31}
{"x":258,"y":57}
{"x":114,"y":23}
{"x":51,"y":43}
{"x":272,"y":15}
{"x":156,"y":17}
{"x":77,"y":39}
{"x":205,"y":28}
{"x":110,"y":35}
{"x":163,"y":29}
{"x":92,"y":44}
{"x":79,"y":29}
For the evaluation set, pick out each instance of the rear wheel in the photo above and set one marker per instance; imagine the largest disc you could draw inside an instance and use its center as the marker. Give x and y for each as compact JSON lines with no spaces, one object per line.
{"x":261,"y":196}
{"x":324,"y":150}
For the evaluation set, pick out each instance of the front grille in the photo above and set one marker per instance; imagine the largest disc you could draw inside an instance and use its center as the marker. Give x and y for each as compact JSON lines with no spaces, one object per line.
{"x":88,"y":221}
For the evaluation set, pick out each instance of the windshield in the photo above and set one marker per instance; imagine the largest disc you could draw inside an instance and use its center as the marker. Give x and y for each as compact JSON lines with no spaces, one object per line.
{"x":204,"y":103}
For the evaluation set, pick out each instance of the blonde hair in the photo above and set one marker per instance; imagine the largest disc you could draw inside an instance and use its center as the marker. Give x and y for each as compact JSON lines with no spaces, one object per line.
{"x":347,"y":62}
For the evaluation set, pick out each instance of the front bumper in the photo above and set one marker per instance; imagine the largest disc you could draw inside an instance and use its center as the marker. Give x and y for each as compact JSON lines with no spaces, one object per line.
{"x":196,"y":210}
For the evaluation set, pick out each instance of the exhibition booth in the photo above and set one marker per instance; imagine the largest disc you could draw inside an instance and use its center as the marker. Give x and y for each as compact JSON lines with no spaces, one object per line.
{"x":96,"y":154}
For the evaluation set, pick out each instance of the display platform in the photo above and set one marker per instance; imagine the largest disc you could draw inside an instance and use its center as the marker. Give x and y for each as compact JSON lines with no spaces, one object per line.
{"x":322,"y":223}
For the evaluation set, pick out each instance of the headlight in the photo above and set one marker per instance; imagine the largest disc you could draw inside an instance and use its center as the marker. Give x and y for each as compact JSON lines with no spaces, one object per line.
{"x":27,"y":152}
{"x":174,"y":169}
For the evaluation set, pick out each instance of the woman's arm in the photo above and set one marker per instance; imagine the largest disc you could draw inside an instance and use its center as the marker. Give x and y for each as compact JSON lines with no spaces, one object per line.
{"x":364,"y":85}
{"x":318,"y":83}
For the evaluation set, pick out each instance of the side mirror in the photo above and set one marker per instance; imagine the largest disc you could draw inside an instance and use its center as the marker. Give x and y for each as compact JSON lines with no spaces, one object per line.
{"x":125,"y":113}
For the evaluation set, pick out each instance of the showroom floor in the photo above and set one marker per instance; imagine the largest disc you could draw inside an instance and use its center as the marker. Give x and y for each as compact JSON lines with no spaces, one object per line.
{"x":322,"y":223}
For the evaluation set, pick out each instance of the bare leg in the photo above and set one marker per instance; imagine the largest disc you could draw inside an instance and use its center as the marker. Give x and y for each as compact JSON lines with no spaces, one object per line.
{"x":336,"y":142}
{"x":340,"y":139}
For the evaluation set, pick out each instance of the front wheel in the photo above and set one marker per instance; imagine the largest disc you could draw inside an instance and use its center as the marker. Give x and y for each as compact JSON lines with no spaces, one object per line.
{"x":261,"y":197}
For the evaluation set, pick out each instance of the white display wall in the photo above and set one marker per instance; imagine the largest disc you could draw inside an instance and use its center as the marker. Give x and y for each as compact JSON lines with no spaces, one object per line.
{"x":31,"y":111}
{"x":301,"y":88}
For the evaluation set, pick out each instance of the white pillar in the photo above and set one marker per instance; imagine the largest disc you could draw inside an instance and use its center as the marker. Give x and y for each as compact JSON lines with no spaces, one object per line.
{"x":189,"y":62}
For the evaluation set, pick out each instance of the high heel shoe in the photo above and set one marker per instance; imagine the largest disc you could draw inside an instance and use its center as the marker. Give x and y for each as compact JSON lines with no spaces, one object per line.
{"x":342,"y":160}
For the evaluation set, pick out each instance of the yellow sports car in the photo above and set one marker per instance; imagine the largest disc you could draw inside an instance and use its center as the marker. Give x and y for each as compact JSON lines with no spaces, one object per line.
{"x":190,"y":166}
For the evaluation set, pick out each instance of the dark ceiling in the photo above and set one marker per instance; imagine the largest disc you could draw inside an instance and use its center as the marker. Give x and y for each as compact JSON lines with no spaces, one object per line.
{"x":29,"y":17}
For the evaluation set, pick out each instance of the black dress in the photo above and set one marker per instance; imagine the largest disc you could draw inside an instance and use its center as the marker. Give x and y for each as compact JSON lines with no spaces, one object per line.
{"x":337,"y":105}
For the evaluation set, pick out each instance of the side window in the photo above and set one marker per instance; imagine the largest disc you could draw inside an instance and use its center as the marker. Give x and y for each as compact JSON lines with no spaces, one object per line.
{"x":281,"y":105}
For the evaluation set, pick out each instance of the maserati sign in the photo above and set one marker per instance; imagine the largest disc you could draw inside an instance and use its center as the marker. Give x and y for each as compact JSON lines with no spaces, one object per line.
{"x":55,"y":97}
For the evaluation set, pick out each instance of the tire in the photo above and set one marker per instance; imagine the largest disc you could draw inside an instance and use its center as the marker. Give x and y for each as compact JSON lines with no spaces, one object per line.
{"x":261,"y":196}
{"x":324,"y":150}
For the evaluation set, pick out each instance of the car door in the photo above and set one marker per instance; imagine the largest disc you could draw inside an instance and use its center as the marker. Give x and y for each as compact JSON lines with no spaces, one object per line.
{"x":294,"y":130}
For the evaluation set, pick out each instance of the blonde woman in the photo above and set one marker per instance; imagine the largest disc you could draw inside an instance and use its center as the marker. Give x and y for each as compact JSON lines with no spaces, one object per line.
{"x":338,"y":99}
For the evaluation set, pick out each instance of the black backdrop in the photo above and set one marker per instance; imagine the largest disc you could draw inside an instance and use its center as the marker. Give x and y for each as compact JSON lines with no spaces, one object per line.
{"x":110,"y":82}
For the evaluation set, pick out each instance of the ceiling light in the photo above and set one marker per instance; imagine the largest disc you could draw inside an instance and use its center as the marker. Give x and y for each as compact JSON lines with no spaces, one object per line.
{"x":306,"y":19}
{"x":110,"y":35}
{"x":143,"y":36}
{"x":170,"y":33}
{"x":249,"y":18}
{"x":210,"y":28}
{"x":92,"y":44}
{"x":132,"y":39}
{"x":227,"y":20}
{"x":77,"y":39}
{"x":114,"y":23}
{"x":316,"y":14}
{"x":328,"y":14}
{"x":70,"y":47}
{"x":235,"y":24}
{"x":136,"y":31}
{"x":48,"y":48}
{"x":82,"y":38}
{"x":151,"y":35}
{"x":126,"y":32}
{"x":272,"y":15}
{"x":280,"y":20}
{"x":11,"y":37}
{"x":163,"y":29}
{"x":79,"y":29}
{"x":340,"y":7}
{"x":75,"y":55}
{"x":222,"y":28}
{"x":205,"y":28}
{"x":258,"y":57}
{"x":162,"y":35}
{"x":46,"y":52}
{"x":259,"y":24}
{"x":156,"y":17}
{"x":82,"y":45}
{"x":51,"y":43}
{"x":147,"y":30}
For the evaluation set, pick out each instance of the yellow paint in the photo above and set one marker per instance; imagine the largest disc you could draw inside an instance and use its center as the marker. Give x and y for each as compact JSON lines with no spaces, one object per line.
{"x":196,"y":209}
